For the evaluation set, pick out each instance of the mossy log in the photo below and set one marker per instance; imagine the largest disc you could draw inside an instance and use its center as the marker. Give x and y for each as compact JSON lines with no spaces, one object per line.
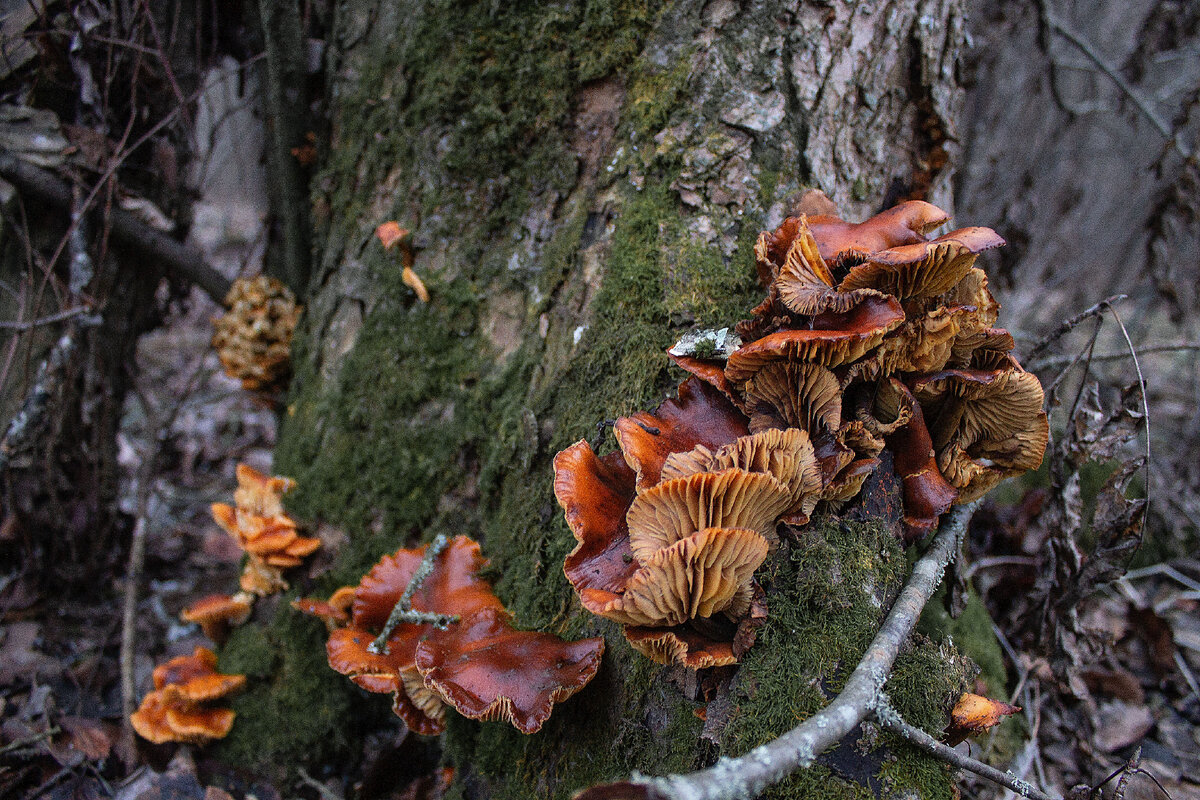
{"x":585,"y":182}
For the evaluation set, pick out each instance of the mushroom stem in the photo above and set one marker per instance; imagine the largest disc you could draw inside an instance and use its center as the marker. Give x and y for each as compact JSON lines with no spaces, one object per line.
{"x":403,"y":610}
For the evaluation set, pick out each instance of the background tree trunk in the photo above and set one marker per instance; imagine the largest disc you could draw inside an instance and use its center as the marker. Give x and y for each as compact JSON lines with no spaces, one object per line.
{"x":584,"y":183}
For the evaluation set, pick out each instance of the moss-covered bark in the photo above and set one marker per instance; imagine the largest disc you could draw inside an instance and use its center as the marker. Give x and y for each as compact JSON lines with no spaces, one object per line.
{"x":585,"y":181}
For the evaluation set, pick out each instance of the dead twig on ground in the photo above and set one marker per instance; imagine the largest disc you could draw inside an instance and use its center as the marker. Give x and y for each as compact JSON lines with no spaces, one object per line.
{"x":892,"y":721}
{"x":403,"y":610}
{"x":748,"y":775}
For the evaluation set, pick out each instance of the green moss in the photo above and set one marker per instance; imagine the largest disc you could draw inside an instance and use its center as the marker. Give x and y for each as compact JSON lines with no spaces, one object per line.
{"x":971,"y":633}
{"x":628,"y":718}
{"x":655,"y":93}
{"x":294,"y":710}
{"x":823,"y":612}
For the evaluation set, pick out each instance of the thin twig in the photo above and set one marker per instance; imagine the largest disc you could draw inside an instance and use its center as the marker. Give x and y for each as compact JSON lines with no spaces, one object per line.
{"x":1069,"y":325}
{"x":28,"y":740}
{"x":750,"y":774}
{"x":137,"y":547}
{"x":321,"y":788}
{"x":1137,"y":367}
{"x":49,"y":319}
{"x":1049,"y":362}
{"x":891,"y":720}
{"x":403,"y":610}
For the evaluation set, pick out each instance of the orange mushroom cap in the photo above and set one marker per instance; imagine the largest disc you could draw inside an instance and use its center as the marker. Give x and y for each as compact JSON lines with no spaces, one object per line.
{"x":215,"y":612}
{"x":903,"y":224}
{"x":487,"y":670}
{"x":699,"y":415}
{"x":974,"y":714}
{"x":390,"y":233}
{"x":172,"y":713}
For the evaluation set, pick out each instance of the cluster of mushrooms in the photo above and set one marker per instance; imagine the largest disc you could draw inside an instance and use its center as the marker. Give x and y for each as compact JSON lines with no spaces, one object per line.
{"x":873,"y":337}
{"x":175,"y":711}
{"x":475,"y":661}
{"x":253,"y":338}
{"x":178,"y":709}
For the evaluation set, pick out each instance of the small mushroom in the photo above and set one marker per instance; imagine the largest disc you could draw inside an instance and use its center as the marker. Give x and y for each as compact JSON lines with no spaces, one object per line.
{"x":334,"y":612}
{"x":974,"y":714}
{"x":904,"y":224}
{"x":216,"y":613}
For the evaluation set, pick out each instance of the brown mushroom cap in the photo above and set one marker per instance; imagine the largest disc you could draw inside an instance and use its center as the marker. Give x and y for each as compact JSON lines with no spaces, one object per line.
{"x":985,"y":425}
{"x":973,"y":714}
{"x":334,"y":612}
{"x":595,"y":494}
{"x":834,"y":340}
{"x":927,"y":495}
{"x":487,"y":670}
{"x":217,"y":611}
{"x":922,"y":269}
{"x":452,"y":587}
{"x":806,"y":285}
{"x":904,"y":224}
{"x":788,"y":455}
{"x":694,"y":577}
{"x":700,"y":415}
{"x":732,"y":498}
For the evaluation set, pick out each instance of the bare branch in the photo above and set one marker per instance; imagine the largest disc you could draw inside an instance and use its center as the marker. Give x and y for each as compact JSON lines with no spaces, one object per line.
{"x":748,"y":775}
{"x":1069,"y":325}
{"x":892,"y":721}
{"x":175,"y":257}
{"x":1059,"y":361}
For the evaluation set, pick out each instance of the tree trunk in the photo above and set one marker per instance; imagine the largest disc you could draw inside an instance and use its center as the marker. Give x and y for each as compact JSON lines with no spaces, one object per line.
{"x":584,"y":183}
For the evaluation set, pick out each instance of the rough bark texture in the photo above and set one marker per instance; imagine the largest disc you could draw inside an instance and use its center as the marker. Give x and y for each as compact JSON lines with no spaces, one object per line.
{"x":584,"y":182}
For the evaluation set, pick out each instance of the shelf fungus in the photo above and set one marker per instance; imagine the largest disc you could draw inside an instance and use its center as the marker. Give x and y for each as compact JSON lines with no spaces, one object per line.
{"x":261,"y":528}
{"x":253,"y":338}
{"x":474,"y":662}
{"x":176,"y":710}
{"x":671,"y":527}
{"x":874,"y":336}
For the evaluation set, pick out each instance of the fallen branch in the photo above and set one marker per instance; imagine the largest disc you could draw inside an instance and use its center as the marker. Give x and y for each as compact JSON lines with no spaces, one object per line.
{"x":891,"y":720}
{"x":156,"y":248}
{"x":750,"y":774}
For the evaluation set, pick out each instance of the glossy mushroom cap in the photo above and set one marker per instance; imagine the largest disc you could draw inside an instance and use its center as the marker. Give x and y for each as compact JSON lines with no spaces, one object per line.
{"x":215,"y":613}
{"x":173,"y":711}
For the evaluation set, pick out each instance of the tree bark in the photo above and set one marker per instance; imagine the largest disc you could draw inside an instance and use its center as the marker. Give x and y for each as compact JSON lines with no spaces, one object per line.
{"x":584,"y":183}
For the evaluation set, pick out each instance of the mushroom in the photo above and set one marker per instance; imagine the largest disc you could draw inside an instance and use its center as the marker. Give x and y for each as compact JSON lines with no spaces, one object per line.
{"x":253,"y":338}
{"x":173,"y":712}
{"x":903,"y":224}
{"x":833,"y":340}
{"x":698,"y":415}
{"x":927,"y":494}
{"x":974,"y":714}
{"x":922,"y":269}
{"x":487,"y":670}
{"x":334,"y":612}
{"x":480,"y":665}
{"x":216,"y":613}
{"x":986,"y":425}
{"x":261,"y":528}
